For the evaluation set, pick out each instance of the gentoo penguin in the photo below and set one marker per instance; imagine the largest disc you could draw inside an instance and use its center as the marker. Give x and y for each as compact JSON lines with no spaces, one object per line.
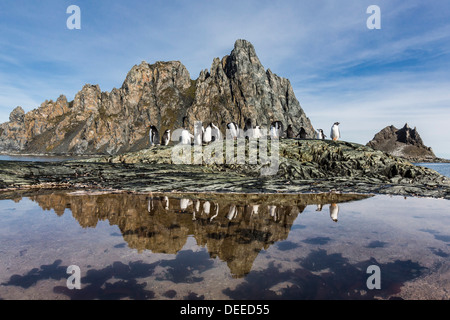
{"x":198,"y":133}
{"x":334,"y":210}
{"x":207,"y":135}
{"x":185,"y":137}
{"x":165,"y":138}
{"x":232,"y":130}
{"x":290,"y":132}
{"x":153,"y":135}
{"x":216,"y":135}
{"x":302,"y":133}
{"x":320,"y":134}
{"x":248,"y":129}
{"x":276,"y":129}
{"x":257,"y":131}
{"x":335,"y":133}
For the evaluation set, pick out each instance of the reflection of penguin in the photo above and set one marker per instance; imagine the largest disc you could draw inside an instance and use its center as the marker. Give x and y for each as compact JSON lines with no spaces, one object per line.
{"x":290,"y":132}
{"x":335,"y":132}
{"x":196,"y":209}
{"x":334,"y":210}
{"x":216,"y":213}
{"x":320,"y":134}
{"x":166,"y":203}
{"x":153,"y":135}
{"x":184,"y":203}
{"x":165,"y":138}
{"x":206,"y":207}
{"x":273,"y":212}
{"x":232,"y":130}
{"x":232,"y":213}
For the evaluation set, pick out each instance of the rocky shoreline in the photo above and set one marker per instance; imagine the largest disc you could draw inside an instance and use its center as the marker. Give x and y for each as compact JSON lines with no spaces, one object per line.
{"x":305,"y":166}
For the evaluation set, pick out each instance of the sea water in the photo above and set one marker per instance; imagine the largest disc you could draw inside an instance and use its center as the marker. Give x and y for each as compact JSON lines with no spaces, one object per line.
{"x":163,"y":247}
{"x":442,"y":168}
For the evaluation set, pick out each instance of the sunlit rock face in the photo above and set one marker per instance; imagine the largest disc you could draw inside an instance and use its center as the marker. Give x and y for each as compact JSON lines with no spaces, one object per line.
{"x":162,"y":94}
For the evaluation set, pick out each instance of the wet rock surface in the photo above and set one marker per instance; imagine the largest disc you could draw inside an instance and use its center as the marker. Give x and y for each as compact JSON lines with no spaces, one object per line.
{"x":305,"y":166}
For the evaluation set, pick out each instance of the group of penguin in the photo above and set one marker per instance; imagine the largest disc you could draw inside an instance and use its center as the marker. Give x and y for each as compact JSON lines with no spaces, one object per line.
{"x":212,"y":132}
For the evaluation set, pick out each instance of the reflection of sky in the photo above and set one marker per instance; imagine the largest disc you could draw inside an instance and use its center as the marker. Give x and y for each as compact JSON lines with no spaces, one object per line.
{"x":383,"y":228}
{"x":369,"y":79}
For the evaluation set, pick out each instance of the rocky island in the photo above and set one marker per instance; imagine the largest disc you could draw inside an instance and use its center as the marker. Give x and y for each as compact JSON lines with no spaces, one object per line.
{"x":405,"y":142}
{"x":112,"y":128}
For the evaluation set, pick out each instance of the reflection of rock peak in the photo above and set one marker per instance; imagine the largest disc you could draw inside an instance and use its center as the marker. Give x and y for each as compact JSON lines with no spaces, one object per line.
{"x":162,"y":224}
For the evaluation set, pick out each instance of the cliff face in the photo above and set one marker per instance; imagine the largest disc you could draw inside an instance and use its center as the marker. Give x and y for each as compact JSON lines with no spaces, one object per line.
{"x":404,"y":142}
{"x":236,"y":88}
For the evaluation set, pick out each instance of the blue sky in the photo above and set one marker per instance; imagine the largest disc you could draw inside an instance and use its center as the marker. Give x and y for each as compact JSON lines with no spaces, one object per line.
{"x":339,"y":69}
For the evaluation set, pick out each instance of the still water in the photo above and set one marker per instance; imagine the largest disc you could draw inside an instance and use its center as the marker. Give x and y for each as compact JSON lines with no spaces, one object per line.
{"x":174,"y":246}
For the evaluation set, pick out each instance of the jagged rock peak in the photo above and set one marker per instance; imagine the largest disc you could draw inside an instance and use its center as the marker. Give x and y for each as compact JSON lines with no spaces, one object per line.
{"x":404,"y":142}
{"x":162,"y":94}
{"x":17,"y":115}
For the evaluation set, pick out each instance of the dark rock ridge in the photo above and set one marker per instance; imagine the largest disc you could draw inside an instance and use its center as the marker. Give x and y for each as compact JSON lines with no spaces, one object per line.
{"x":161,"y":94}
{"x":404,"y":142}
{"x":305,"y":166}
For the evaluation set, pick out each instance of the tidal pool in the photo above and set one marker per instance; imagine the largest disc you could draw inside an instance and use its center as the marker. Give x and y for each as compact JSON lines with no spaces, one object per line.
{"x":213,"y":246}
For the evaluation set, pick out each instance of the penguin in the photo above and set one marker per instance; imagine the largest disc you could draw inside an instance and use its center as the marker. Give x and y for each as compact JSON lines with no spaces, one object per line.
{"x":248,"y":129}
{"x":216,"y":135}
{"x":186,"y":137}
{"x":232,"y":130}
{"x":165,"y":138}
{"x":290,"y":132}
{"x":335,"y":132}
{"x":334,"y":210}
{"x":319,"y":207}
{"x":276,"y":129}
{"x":257,"y":131}
{"x":320,"y":134}
{"x":302,"y":133}
{"x":198,"y":133}
{"x":207,"y":135}
{"x":153,"y":135}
